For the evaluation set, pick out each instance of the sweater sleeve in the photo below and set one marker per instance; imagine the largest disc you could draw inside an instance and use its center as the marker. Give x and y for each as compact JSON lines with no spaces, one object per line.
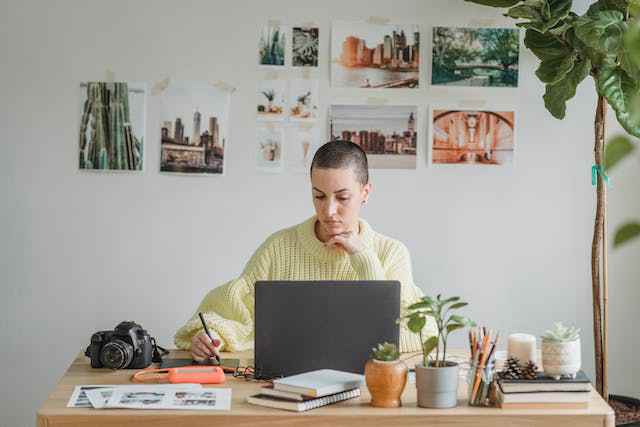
{"x":228,"y":310}
{"x":400,"y":269}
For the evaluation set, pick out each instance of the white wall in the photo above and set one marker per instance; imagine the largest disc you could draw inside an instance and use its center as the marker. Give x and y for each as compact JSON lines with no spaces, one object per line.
{"x":81,"y":252}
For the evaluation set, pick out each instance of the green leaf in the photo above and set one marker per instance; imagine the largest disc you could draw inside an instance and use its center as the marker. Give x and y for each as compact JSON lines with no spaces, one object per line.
{"x":553,"y":69}
{"x":634,"y":8}
{"x":545,"y":46}
{"x":615,"y":150}
{"x":429,"y":345}
{"x":419,"y":304}
{"x":458,"y":305}
{"x":416,"y":323}
{"x":453,"y":327}
{"x":531,"y":9}
{"x":626,"y":233}
{"x":495,"y":3}
{"x":604,"y":5}
{"x":619,"y":90}
{"x":543,"y":14}
{"x":632,"y":41}
{"x":448,"y":300}
{"x":557,"y":94}
{"x":602,"y":31}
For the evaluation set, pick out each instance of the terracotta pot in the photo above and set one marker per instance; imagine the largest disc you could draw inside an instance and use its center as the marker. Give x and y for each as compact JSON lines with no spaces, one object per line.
{"x":385,"y":381}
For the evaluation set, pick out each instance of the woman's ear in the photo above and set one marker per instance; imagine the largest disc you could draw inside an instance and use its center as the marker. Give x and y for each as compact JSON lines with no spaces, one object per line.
{"x":366,"y":192}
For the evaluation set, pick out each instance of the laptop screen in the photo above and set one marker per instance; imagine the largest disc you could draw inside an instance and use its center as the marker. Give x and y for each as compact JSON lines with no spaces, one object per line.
{"x":302,"y":326}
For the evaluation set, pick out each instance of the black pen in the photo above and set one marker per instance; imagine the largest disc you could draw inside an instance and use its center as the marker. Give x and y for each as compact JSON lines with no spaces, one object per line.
{"x":206,"y":331}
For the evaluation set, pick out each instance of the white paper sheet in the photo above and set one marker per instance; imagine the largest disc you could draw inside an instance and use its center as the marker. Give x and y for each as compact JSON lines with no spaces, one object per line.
{"x":79,"y":398}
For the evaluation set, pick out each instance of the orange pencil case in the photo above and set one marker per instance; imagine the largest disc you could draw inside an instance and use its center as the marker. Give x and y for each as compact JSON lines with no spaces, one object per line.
{"x":185,"y":374}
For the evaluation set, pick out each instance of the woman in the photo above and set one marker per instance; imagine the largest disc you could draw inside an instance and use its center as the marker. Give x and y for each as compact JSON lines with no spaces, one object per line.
{"x":335,"y":244}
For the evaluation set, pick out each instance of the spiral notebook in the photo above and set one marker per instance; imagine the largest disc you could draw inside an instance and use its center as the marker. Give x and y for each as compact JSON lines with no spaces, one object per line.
{"x":295,"y":406}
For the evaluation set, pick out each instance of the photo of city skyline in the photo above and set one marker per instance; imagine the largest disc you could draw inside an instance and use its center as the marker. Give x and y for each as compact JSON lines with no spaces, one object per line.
{"x":193,"y":129}
{"x":387,"y":133}
{"x":367,"y":55}
{"x":484,"y":137}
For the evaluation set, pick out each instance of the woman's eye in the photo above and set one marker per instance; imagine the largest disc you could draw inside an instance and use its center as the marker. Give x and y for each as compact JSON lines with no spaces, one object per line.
{"x":319,"y":197}
{"x":343,"y":199}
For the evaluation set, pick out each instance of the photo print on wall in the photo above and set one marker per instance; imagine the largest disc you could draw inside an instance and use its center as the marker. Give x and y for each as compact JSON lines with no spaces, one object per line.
{"x":269,"y":146}
{"x":305,"y":46}
{"x":475,"y":57}
{"x":483,"y":137}
{"x":272,"y":99}
{"x":302,"y":141}
{"x":387,"y":133}
{"x":365,"y":55}
{"x":194,"y":128}
{"x":111,"y":134}
{"x":272,"y":45}
{"x":303,"y":99}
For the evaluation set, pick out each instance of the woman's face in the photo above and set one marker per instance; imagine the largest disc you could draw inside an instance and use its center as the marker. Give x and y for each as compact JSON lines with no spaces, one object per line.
{"x":337,"y":199}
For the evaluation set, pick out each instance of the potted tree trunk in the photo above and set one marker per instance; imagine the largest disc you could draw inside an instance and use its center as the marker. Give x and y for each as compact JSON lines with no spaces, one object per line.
{"x":436,"y":377}
{"x":386,"y":376}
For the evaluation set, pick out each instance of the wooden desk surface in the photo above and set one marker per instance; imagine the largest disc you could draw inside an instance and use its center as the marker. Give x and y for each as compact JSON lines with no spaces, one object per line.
{"x":356,"y":412}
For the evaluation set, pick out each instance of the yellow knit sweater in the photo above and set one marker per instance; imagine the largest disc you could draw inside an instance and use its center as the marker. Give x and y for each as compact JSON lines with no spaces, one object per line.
{"x":295,"y":253}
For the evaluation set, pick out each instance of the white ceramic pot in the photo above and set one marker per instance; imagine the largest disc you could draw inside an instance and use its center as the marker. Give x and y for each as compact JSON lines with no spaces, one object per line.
{"x":561,"y":359}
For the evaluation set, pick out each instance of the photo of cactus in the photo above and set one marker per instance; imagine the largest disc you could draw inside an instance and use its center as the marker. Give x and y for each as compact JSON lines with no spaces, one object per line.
{"x":272,"y":45}
{"x":111,"y":134}
{"x":481,"y":137}
{"x":272,"y":99}
{"x":194,"y":128}
{"x":305,"y":47}
{"x":475,"y":57}
{"x":303,"y":99}
{"x":269,"y":145}
{"x":383,"y":56}
{"x":387,"y":133}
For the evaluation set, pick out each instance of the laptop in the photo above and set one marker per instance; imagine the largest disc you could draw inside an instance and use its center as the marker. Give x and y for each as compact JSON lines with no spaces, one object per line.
{"x":302,"y":326}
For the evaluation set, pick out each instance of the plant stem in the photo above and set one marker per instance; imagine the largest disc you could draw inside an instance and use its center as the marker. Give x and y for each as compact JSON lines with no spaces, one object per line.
{"x":596,"y":249}
{"x":444,"y":350}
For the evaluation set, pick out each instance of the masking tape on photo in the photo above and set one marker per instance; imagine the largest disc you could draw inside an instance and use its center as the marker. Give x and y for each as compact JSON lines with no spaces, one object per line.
{"x":377,"y":100}
{"x":379,"y":20}
{"x":274,"y":22}
{"x":160,"y":86}
{"x":482,"y":22}
{"x":472,"y":103}
{"x":223,"y":86}
{"x":109,"y":76}
{"x":306,"y":73}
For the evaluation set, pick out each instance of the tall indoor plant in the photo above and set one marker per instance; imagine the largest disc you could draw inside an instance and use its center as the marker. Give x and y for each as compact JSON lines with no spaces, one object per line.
{"x":601,"y":43}
{"x":436,"y":378}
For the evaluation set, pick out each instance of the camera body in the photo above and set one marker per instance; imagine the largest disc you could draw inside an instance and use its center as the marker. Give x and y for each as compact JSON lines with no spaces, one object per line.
{"x":128,"y":346}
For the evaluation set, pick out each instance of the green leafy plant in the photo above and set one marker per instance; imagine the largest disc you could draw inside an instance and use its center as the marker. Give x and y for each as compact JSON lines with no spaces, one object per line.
{"x":617,"y":149}
{"x":561,"y":333}
{"x":385,"y":352}
{"x":603,"y":43}
{"x":440,"y":310}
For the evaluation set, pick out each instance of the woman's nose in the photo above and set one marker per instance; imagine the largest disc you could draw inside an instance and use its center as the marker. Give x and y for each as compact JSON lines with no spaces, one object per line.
{"x":332,"y":208}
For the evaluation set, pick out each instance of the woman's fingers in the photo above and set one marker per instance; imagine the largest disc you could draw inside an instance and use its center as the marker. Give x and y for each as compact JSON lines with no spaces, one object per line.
{"x":202,"y":347}
{"x":209,"y":347}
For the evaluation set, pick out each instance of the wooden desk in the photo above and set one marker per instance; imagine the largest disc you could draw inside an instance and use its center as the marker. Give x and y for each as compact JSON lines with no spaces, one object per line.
{"x":356,"y":412}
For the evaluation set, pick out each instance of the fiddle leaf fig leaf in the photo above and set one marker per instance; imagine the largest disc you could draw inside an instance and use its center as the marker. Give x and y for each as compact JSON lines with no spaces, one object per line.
{"x":543,"y":14}
{"x":416,"y":323}
{"x":557,"y":94}
{"x":626,"y":233}
{"x":604,"y":5}
{"x":545,"y":46}
{"x":553,"y":69}
{"x":616,"y":150}
{"x":620,"y":90}
{"x":602,"y":31}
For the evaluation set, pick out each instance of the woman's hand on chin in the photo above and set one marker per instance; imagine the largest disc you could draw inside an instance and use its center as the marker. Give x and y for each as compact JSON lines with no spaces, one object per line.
{"x":347,"y":241}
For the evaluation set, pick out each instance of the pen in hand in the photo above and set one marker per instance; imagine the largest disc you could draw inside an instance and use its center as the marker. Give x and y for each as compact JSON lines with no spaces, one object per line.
{"x":206,"y":331}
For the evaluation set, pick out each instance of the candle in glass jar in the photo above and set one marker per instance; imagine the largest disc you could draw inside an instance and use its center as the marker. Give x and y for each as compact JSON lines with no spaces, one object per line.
{"x":522,"y":347}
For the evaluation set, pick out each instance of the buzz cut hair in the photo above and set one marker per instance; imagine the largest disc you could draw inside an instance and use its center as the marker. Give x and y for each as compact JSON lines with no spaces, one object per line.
{"x":339,"y":154}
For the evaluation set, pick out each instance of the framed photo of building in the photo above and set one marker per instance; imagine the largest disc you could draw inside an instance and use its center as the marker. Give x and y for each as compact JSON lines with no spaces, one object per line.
{"x":365,"y":55}
{"x":111,"y":133}
{"x":478,"y":137}
{"x":387,"y":133}
{"x":194,"y":128}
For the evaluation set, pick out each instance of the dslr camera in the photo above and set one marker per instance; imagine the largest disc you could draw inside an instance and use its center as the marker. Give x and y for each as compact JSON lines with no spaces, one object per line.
{"x":128,"y":346}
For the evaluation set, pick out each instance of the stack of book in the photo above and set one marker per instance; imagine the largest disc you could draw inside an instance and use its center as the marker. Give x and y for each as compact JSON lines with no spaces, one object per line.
{"x":544,"y":393}
{"x":309,"y":390}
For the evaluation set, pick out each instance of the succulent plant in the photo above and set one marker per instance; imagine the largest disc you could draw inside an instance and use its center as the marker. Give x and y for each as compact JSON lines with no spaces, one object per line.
{"x":561,"y":333}
{"x":386,"y":352}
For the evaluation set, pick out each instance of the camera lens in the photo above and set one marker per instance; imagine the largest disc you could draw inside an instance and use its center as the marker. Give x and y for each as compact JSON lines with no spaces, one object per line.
{"x":116,"y":354}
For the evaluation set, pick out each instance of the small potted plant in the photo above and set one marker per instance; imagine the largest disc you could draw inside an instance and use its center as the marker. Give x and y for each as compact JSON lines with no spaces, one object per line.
{"x":436,"y":377}
{"x":270,"y":95}
{"x":561,"y":355}
{"x":386,"y":376}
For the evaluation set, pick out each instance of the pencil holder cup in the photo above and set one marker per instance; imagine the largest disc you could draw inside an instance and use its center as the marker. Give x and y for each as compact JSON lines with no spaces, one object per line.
{"x":480,"y":382}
